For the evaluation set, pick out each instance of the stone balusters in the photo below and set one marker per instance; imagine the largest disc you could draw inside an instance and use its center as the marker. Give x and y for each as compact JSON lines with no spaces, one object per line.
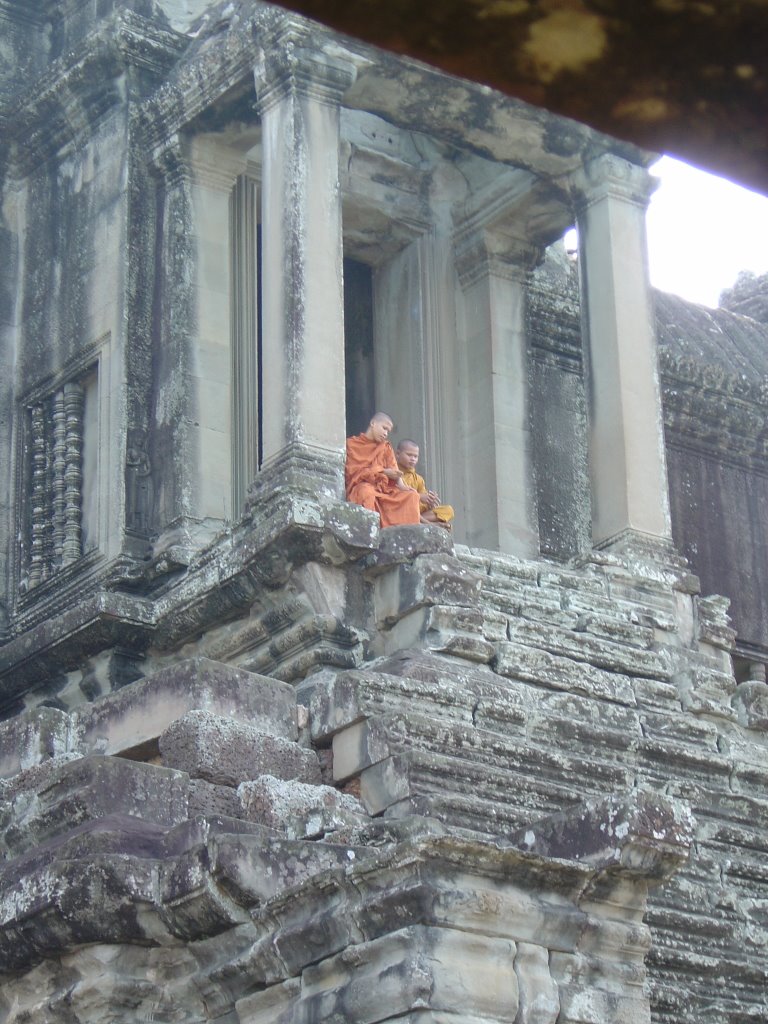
{"x":56,"y":428}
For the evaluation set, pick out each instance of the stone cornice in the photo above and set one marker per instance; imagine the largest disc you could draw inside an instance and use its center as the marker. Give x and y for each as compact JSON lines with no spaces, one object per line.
{"x":80,"y":88}
{"x":706,"y":407}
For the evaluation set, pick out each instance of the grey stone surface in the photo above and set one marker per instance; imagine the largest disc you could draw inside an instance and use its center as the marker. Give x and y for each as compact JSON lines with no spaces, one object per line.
{"x":33,"y":737}
{"x":300,"y":810}
{"x":228,"y":752}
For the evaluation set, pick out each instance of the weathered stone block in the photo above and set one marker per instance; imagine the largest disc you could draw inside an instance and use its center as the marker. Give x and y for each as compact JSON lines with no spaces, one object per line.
{"x":399,"y":545}
{"x":343,"y":700}
{"x":228,"y":752}
{"x":428,"y":580}
{"x":539,"y":1001}
{"x":208,"y":799}
{"x":81,"y":790}
{"x":256,"y":868}
{"x":532,"y":664}
{"x":750,"y":702}
{"x":642,"y":833}
{"x":583,"y":647}
{"x":413,"y":970}
{"x":136,"y":715}
{"x":33,"y":737}
{"x":300,"y":810}
{"x":358,"y":747}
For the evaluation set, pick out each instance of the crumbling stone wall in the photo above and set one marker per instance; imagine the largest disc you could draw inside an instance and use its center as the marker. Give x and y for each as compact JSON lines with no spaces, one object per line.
{"x":475,"y":808}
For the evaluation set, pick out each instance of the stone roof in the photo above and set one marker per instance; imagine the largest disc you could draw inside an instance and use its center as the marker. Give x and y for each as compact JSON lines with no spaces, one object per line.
{"x":735,"y":343}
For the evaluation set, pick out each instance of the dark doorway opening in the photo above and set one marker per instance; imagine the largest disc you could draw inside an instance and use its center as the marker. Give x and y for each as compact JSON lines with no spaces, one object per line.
{"x":358,"y":344}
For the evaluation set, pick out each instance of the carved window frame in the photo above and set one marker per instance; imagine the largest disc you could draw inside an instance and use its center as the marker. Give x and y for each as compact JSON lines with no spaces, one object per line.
{"x":52,"y":419}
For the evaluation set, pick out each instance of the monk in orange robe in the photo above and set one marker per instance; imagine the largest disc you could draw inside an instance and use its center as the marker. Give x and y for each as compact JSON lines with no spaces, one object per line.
{"x":373,"y":479}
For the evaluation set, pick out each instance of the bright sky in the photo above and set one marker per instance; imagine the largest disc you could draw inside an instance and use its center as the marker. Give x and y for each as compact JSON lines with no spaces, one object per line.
{"x":702,"y":231}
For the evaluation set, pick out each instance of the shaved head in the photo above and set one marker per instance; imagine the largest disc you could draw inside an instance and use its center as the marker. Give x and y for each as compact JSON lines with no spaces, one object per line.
{"x":379,"y":427}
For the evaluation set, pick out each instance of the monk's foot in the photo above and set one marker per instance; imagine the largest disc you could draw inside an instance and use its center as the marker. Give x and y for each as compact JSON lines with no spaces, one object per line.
{"x":445,"y":526}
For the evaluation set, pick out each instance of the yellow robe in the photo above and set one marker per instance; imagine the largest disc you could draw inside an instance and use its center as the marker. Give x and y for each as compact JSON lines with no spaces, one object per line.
{"x":444,"y":513}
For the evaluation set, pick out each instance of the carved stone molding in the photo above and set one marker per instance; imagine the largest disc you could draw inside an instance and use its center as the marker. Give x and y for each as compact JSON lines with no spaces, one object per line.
{"x":708,"y":407}
{"x":614,"y":176}
{"x":170,"y":162}
{"x":493,"y":253}
{"x":213,"y":166}
{"x":291,"y":63}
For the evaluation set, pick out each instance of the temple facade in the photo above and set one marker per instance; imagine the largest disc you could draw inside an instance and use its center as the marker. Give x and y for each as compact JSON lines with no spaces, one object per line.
{"x":262,"y":762}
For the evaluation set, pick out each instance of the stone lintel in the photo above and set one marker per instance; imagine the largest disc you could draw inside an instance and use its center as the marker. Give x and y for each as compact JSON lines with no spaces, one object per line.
{"x":140,"y":712}
{"x":291,"y":63}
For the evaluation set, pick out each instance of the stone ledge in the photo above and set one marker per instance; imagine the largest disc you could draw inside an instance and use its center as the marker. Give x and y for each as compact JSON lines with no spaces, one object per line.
{"x":224,"y":580}
{"x":137,"y":714}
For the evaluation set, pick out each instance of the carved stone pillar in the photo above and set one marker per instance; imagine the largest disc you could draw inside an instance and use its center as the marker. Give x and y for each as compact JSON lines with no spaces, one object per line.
{"x":302,"y":307}
{"x":630,"y":502}
{"x":500,"y":493}
{"x":192,"y":428}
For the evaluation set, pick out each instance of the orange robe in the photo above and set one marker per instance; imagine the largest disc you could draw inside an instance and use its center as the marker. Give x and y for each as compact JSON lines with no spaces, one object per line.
{"x":368,"y":486}
{"x":444,"y":513}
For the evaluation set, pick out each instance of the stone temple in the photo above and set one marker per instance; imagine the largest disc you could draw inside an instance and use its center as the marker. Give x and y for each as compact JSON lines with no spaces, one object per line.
{"x":262,"y":762}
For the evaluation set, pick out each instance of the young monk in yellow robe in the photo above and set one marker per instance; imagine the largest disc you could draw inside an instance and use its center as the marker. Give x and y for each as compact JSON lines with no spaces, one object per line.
{"x":373,"y":479}
{"x":407,"y":455}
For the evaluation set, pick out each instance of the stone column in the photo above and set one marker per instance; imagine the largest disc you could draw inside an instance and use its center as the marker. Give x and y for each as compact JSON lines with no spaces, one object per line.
{"x":630,"y":502}
{"x":299,"y":90}
{"x":191,"y":432}
{"x":500,"y":496}
{"x":214,"y":171}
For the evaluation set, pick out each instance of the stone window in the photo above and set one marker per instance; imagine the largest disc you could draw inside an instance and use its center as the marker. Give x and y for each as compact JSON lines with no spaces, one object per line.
{"x":58,"y":509}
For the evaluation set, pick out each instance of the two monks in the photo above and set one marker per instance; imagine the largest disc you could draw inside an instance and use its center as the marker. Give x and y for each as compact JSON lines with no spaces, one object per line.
{"x":376,"y":481}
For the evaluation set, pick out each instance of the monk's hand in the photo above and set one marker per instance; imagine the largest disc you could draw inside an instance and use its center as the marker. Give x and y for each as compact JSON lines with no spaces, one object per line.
{"x":393,"y":474}
{"x":431,"y":499}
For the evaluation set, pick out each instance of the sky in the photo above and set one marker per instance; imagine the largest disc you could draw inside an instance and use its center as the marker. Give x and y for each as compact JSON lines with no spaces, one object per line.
{"x":702,"y":230}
